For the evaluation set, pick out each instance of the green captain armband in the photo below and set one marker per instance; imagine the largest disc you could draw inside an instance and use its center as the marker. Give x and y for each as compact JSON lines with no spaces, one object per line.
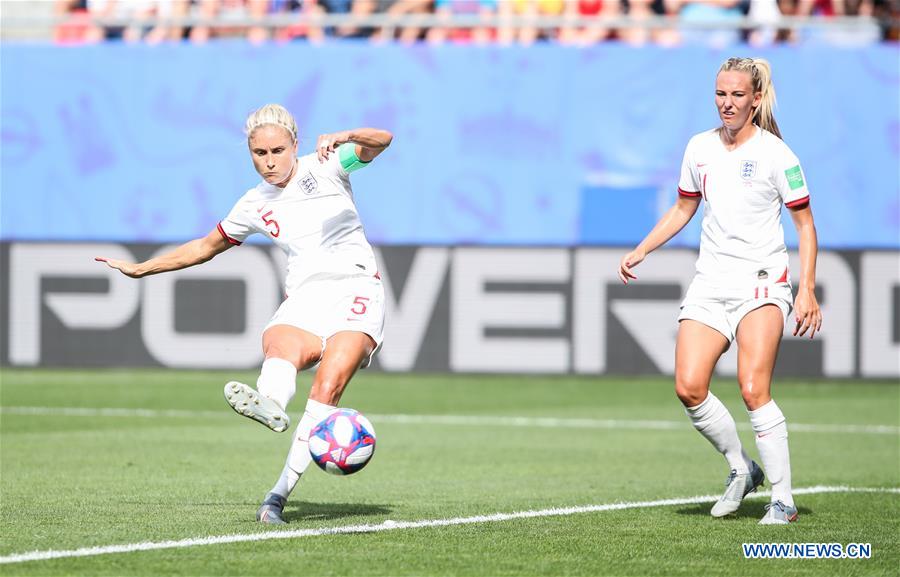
{"x":349,"y":160}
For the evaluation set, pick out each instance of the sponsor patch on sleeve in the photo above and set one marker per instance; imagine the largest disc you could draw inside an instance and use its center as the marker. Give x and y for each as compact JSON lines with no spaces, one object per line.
{"x":794,"y":177}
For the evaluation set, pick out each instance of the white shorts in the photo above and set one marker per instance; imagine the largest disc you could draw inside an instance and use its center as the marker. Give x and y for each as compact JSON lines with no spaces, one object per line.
{"x":723,"y":309}
{"x":329,"y":306}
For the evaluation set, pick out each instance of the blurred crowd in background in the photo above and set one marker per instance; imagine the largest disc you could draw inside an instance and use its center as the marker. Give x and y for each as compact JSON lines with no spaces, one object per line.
{"x":146,"y":20}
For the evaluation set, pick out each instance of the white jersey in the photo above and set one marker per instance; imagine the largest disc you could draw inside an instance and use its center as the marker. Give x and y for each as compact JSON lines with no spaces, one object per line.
{"x":313,"y":220}
{"x":742,"y":238}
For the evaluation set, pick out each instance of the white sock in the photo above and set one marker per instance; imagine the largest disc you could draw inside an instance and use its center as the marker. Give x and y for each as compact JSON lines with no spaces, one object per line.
{"x":715,"y":423}
{"x":772,"y":441}
{"x":299,"y":458}
{"x":277,"y":381}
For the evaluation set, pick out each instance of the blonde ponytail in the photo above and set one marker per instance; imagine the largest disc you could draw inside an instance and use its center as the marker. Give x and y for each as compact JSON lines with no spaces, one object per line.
{"x":760,"y":72}
{"x":271,"y":114}
{"x":765,"y":113}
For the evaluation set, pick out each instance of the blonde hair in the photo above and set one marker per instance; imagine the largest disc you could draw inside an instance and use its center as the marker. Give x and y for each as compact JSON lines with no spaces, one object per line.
{"x":760,"y":72}
{"x":271,"y":114}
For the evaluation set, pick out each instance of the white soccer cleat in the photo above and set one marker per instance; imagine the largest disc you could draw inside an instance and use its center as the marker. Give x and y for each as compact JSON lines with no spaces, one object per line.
{"x":248,"y":402}
{"x":736,"y":488}
{"x":778,"y":513}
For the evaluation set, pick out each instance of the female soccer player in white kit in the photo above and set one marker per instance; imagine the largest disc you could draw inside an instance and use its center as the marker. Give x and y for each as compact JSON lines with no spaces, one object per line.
{"x":744,"y":173}
{"x":333,"y":315}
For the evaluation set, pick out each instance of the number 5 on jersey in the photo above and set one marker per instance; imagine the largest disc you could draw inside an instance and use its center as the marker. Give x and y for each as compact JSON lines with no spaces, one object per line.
{"x":359,"y":305}
{"x":271,"y":222}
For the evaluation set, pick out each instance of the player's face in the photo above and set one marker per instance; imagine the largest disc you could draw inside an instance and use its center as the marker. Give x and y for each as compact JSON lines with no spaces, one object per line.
{"x":274,"y":153}
{"x":735,"y":99}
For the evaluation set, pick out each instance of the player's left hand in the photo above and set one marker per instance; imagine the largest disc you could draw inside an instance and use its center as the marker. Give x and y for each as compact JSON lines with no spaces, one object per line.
{"x":126,"y":268}
{"x":628,"y":262}
{"x":327,"y":143}
{"x":807,"y":313}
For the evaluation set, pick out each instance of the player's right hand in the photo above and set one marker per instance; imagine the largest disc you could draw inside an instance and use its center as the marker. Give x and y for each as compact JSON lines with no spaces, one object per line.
{"x":126,"y":268}
{"x":629,"y":261}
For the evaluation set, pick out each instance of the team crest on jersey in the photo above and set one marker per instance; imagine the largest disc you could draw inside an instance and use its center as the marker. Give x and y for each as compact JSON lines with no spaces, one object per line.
{"x":748,"y":169}
{"x":308,"y":184}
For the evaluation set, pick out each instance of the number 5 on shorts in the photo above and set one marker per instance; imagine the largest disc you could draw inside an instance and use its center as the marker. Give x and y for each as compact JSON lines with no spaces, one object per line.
{"x":359,"y":305}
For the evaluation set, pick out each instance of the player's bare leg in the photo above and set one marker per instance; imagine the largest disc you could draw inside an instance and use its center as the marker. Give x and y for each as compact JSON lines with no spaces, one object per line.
{"x":758,"y":337}
{"x":287,"y":349}
{"x":344,"y":353}
{"x":697,"y":351}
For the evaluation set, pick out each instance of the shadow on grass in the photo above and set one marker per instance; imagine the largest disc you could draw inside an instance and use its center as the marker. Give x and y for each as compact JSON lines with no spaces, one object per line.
{"x":754,"y":508}
{"x":305,"y":511}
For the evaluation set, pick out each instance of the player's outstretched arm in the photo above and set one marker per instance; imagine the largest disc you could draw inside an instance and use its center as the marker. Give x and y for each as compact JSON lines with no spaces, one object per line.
{"x":370,"y":142}
{"x":194,"y":252}
{"x":807,"y":313}
{"x":668,"y":226}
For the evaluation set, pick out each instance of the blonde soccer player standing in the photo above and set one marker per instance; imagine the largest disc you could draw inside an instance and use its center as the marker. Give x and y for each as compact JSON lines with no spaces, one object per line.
{"x":333,"y":315}
{"x":743,"y":173}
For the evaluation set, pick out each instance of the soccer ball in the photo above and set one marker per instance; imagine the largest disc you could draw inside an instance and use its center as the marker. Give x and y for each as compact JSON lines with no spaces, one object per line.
{"x":343,"y":442}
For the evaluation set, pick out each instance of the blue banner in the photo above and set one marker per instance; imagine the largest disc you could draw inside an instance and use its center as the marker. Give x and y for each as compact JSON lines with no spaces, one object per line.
{"x":493,"y":145}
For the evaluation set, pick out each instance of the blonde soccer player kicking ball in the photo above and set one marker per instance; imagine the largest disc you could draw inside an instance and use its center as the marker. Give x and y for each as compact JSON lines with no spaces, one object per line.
{"x":333,"y":316}
{"x":743,"y":173}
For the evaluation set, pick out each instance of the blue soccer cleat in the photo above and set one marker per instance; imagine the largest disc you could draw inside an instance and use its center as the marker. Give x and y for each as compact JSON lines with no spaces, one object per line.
{"x":736,"y":488}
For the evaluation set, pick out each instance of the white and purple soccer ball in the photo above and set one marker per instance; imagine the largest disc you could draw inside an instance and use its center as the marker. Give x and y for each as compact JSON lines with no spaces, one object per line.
{"x":343,"y":442}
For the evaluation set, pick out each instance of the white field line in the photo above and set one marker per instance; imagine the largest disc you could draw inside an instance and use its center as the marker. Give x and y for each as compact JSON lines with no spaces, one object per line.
{"x":454,"y":420}
{"x":390,"y":525}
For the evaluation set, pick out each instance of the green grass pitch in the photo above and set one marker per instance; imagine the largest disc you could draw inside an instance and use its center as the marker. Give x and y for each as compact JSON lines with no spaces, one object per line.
{"x":72,"y":480}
